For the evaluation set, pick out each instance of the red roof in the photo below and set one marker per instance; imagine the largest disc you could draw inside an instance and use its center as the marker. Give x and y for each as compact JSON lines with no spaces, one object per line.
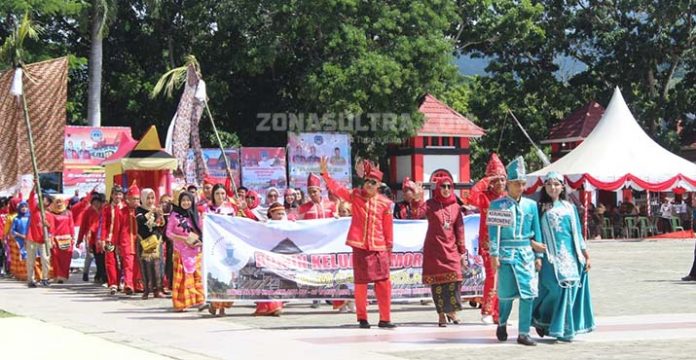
{"x":577,"y":125}
{"x":441,"y":120}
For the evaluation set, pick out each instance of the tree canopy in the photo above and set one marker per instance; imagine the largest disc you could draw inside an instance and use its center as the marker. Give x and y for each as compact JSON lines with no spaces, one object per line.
{"x":545,"y":58}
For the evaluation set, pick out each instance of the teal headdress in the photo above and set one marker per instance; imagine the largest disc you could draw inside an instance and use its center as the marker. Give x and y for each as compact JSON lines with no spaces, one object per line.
{"x":516,"y":170}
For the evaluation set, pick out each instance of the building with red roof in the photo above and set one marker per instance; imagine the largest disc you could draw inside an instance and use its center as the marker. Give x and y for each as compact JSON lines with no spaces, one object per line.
{"x":440,"y":147}
{"x":569,"y":133}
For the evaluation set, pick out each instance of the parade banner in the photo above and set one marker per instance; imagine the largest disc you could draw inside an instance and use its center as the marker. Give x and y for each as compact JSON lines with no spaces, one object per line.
{"x":306,"y":149}
{"x":85,"y":149}
{"x":263,"y":168}
{"x":288,"y":260}
{"x":216,"y":165}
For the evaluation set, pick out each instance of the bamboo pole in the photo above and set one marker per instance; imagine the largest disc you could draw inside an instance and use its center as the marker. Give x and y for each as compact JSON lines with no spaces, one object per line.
{"x":35,"y":169}
{"x":222,"y":149}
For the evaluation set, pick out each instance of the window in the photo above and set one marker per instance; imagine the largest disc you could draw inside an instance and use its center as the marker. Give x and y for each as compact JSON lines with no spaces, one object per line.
{"x":434,"y":141}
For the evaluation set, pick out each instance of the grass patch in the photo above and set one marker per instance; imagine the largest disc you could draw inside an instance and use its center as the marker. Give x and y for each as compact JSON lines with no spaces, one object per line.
{"x":5,"y":314}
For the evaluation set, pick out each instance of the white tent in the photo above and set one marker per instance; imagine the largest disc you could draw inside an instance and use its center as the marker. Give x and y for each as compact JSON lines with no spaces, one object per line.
{"x":619,"y":153}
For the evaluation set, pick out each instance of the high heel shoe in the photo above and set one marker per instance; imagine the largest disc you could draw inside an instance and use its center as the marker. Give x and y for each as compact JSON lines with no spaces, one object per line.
{"x":452,"y":319}
{"x":442,"y":322}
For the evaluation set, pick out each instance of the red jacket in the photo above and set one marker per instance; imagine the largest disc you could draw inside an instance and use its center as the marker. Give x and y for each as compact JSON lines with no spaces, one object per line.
{"x":89,"y":227}
{"x":111,"y":214}
{"x":372,"y":225}
{"x":323,"y":210}
{"x":35,"y":229}
{"x":126,"y":231}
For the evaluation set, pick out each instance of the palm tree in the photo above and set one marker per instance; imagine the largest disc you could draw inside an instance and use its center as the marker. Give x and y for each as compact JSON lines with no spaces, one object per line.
{"x":100,"y":15}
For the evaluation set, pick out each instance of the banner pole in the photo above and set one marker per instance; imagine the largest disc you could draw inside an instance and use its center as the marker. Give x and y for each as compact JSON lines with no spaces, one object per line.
{"x":35,"y":169}
{"x":222,"y":149}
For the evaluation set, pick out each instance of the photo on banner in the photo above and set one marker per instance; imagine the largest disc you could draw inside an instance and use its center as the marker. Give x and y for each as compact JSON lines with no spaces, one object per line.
{"x":84,"y":151}
{"x":305,"y":151}
{"x":215,"y":164}
{"x":264,"y":168}
{"x":290,"y":260}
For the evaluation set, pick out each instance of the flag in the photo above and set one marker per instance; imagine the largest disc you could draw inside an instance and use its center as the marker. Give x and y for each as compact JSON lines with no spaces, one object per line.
{"x":45,"y":86}
{"x":184,"y":127}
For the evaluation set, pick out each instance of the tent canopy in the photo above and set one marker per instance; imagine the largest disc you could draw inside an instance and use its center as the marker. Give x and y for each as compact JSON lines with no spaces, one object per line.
{"x":619,"y":153}
{"x":146,"y":155}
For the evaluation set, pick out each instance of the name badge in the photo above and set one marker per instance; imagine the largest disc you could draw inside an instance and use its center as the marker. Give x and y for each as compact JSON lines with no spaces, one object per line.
{"x":501,"y":218}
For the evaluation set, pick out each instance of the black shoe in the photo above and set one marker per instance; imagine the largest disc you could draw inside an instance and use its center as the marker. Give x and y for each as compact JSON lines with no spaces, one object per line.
{"x":386,"y":325}
{"x":45,"y":283}
{"x":501,"y":333}
{"x":689,"y":278}
{"x":364,"y":324}
{"x":85,"y":277}
{"x":540,"y":331}
{"x":526,"y":340}
{"x":31,"y":284}
{"x":60,"y":281}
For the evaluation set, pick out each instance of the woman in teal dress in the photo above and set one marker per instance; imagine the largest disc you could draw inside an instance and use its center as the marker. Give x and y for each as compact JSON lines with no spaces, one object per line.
{"x":563,"y":308}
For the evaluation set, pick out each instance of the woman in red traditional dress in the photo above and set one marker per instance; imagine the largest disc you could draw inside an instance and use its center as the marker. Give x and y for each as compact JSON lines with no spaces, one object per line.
{"x":63,"y":242}
{"x":443,"y":249}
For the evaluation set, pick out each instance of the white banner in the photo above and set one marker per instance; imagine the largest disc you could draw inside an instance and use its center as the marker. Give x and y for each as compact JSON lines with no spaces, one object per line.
{"x":248,"y":260}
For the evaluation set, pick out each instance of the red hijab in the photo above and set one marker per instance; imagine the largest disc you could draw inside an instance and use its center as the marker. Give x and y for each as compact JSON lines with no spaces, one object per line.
{"x":257,"y":199}
{"x":437,"y":194}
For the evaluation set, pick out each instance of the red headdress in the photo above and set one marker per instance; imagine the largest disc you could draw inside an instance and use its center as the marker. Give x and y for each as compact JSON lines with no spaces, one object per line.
{"x":408,"y":184}
{"x":372,"y":171}
{"x":289,"y":191}
{"x":133,"y":190}
{"x":210,"y":180}
{"x":313,"y":181}
{"x":495,"y":167}
{"x":257,"y":199}
{"x":437,"y":194}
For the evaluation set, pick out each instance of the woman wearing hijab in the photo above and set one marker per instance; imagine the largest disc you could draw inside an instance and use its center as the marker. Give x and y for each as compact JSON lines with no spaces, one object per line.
{"x":63,"y":242}
{"x":563,"y":307}
{"x":149,"y":245}
{"x":20,"y":227}
{"x":276,"y":212}
{"x":220,"y":205}
{"x":261,"y":211}
{"x":184,"y":230}
{"x":252,"y":202}
{"x":443,"y":250}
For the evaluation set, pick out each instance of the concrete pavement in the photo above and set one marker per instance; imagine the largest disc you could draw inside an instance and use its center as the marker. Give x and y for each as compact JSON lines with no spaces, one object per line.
{"x":642,"y":309}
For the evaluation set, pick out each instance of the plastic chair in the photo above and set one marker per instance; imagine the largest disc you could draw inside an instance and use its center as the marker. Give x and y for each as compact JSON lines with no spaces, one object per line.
{"x":646,"y":228}
{"x":631,"y":227}
{"x":607,"y":229}
{"x":676,"y":224}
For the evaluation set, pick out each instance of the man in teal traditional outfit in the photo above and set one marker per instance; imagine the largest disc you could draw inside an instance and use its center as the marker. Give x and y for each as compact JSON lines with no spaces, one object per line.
{"x":511,"y":252}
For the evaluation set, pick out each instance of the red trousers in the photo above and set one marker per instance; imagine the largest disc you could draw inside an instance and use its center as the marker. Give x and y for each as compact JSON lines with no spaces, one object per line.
{"x":127,"y":264}
{"x":490,"y":293}
{"x":111,"y":268}
{"x":383,"y":293}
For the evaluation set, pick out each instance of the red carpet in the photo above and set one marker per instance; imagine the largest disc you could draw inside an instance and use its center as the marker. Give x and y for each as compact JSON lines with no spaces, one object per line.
{"x":684,"y":234}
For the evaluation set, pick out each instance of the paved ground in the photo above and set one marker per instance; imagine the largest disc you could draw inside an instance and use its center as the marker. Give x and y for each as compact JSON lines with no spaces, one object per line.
{"x":643,"y":312}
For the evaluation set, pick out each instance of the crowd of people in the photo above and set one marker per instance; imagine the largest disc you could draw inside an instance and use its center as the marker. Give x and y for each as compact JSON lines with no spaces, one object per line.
{"x":150,"y":246}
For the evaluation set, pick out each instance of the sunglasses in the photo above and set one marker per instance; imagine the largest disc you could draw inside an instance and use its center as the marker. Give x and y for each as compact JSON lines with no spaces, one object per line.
{"x":445,"y":186}
{"x":371,"y":182}
{"x":272,"y":195}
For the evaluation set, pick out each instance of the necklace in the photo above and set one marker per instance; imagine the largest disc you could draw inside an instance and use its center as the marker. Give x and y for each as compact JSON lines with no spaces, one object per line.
{"x":446,"y":217}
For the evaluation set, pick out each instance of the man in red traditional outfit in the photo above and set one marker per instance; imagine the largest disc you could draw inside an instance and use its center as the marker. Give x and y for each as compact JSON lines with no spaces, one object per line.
{"x":317,"y":207}
{"x":408,"y":208}
{"x":35,"y":240}
{"x":127,"y":234}
{"x":91,"y":233}
{"x":371,"y":237}
{"x":491,"y":187}
{"x":109,"y":232}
